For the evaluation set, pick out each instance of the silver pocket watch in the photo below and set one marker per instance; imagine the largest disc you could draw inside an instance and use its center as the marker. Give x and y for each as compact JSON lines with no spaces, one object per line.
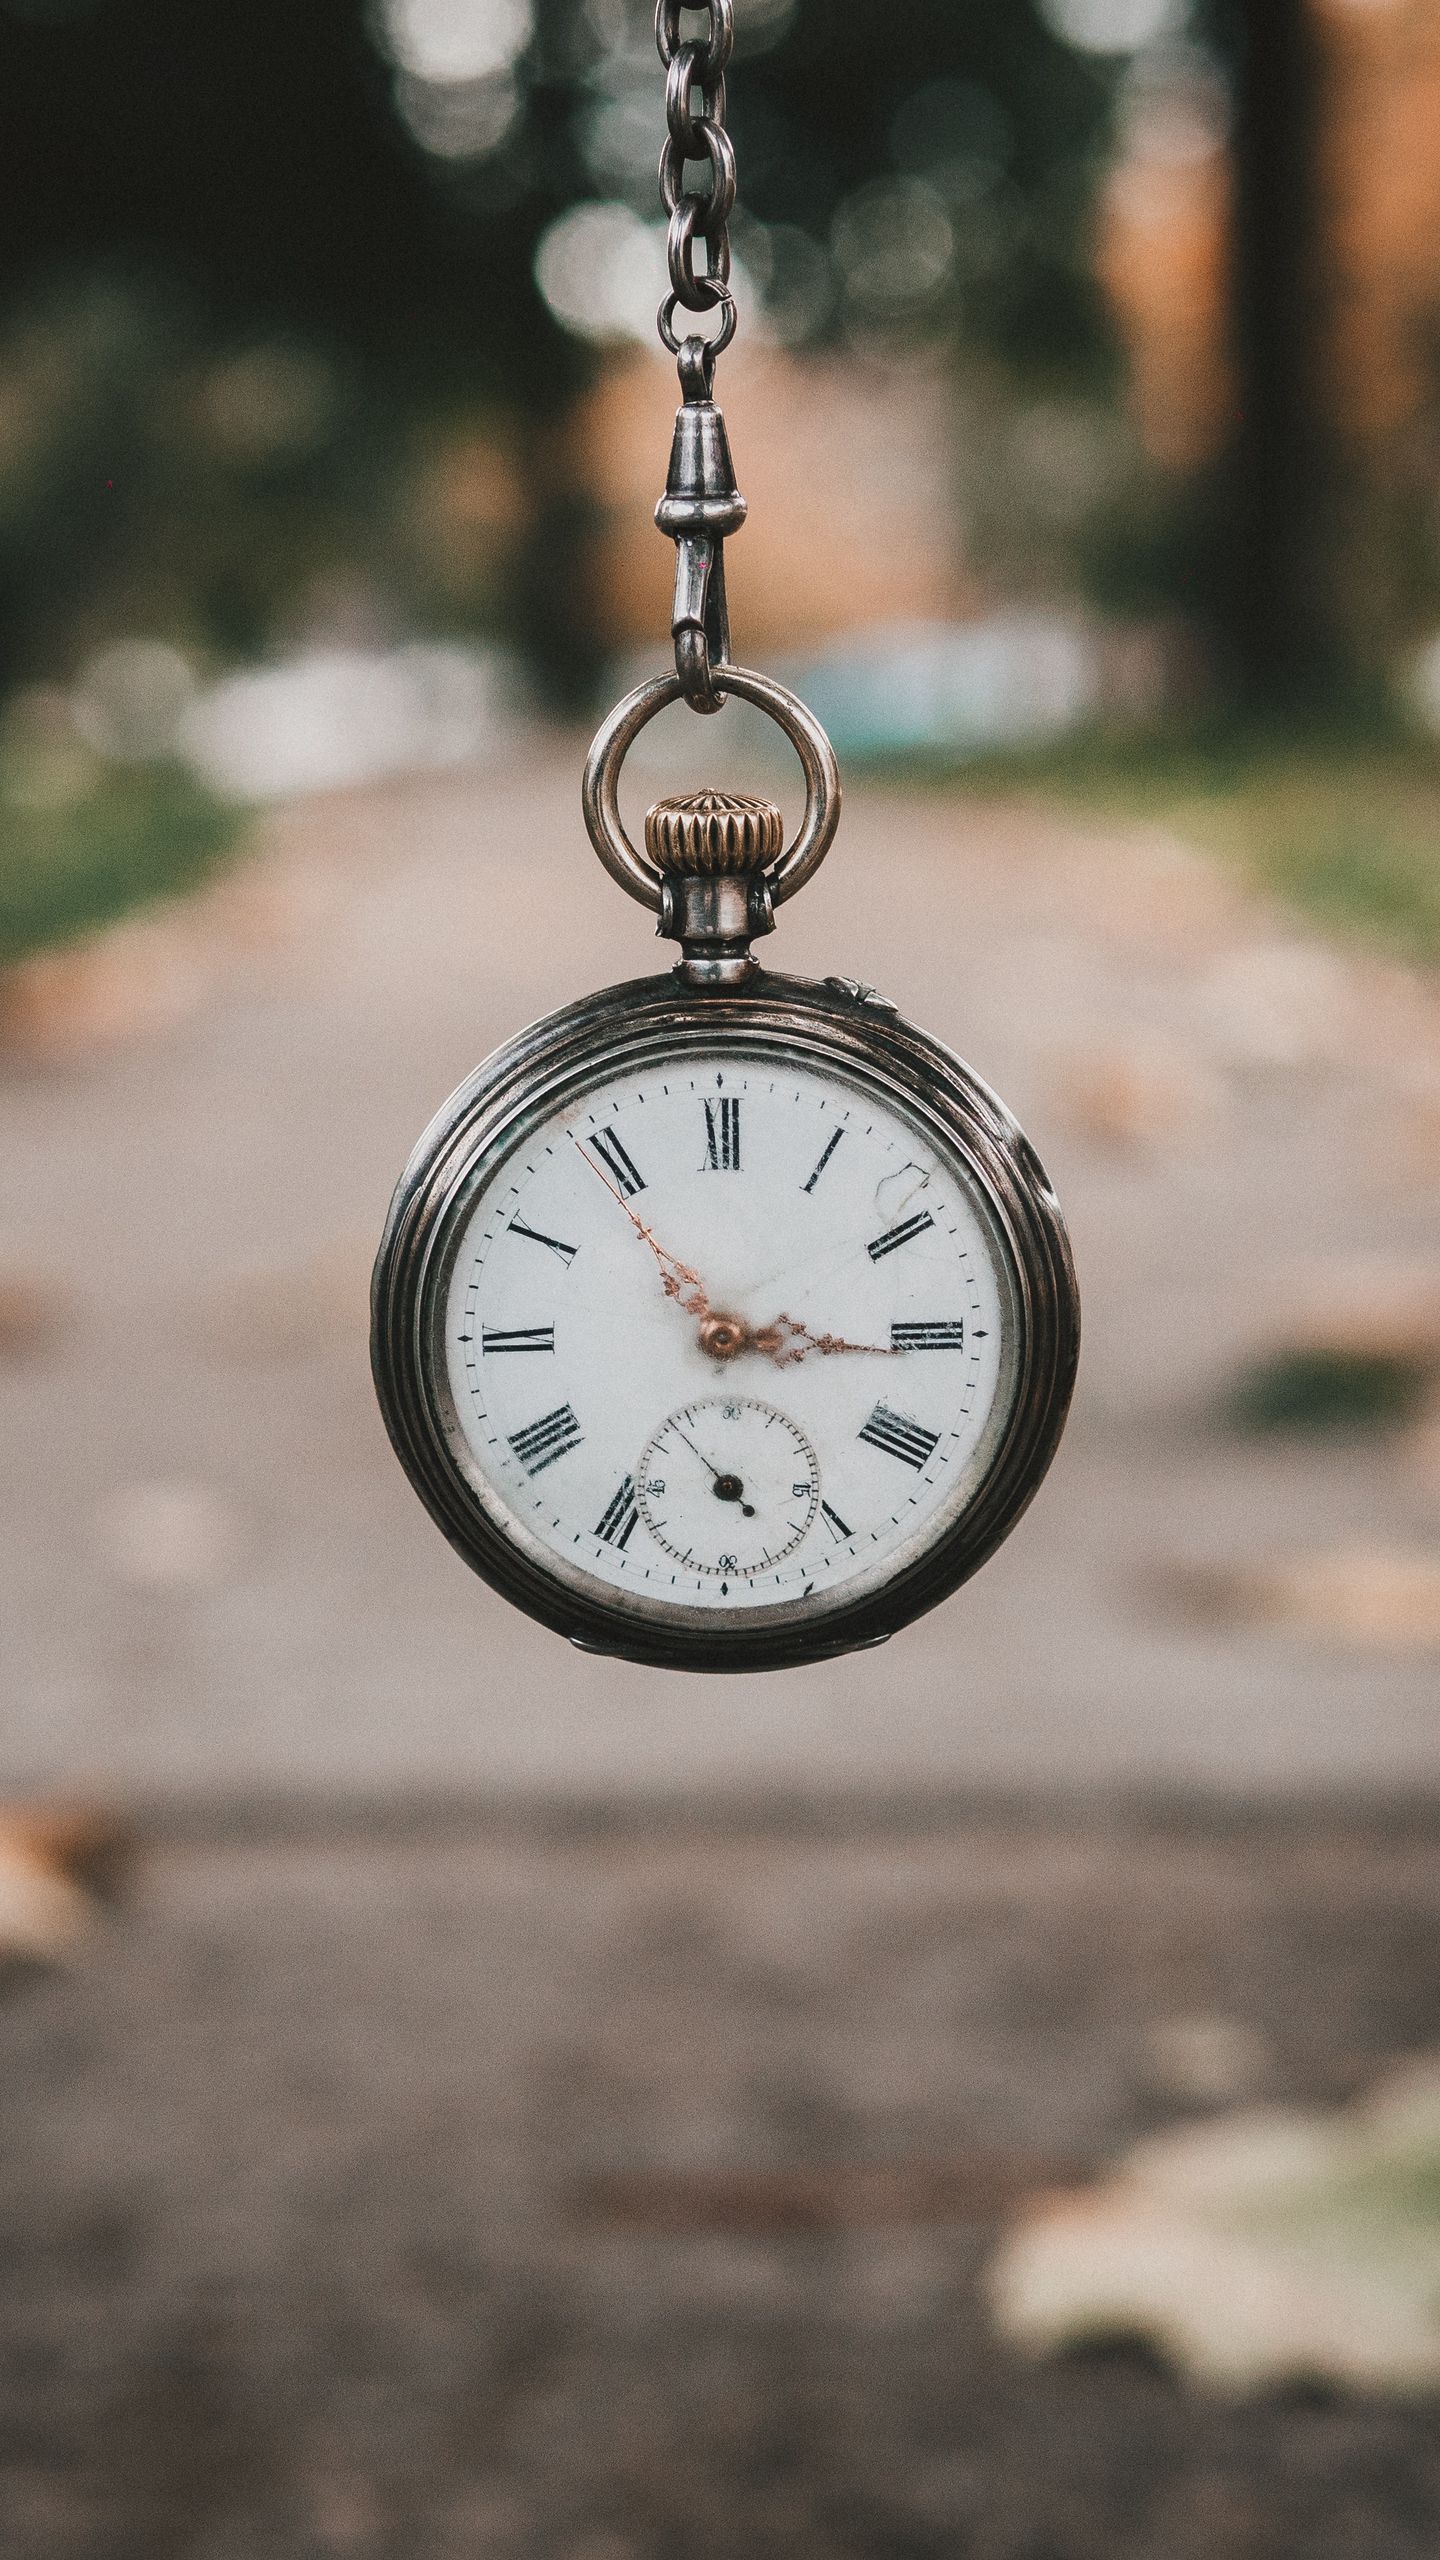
{"x":723,"y":1320}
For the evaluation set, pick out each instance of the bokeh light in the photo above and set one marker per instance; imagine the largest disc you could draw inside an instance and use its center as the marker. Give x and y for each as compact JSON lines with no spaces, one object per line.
{"x":894,"y":244}
{"x":1174,"y":106}
{"x":618,"y":125}
{"x":1114,"y":26}
{"x":458,"y":119}
{"x":131,"y":697}
{"x":449,"y":41}
{"x":602,"y":272}
{"x":456,"y":89}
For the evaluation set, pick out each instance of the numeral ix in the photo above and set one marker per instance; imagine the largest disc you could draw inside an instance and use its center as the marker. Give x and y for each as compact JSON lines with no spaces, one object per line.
{"x":530,"y":1337}
{"x":541,"y":1443}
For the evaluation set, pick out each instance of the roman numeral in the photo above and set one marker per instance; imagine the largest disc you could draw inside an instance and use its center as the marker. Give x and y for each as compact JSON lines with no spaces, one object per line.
{"x":626,"y":1175}
{"x":831,"y":1143}
{"x":934,"y":1334}
{"x":894,"y":1237}
{"x":567,"y":1252}
{"x":722,"y":1135}
{"x":617,"y":1521}
{"x":836,"y":1526}
{"x":899,"y":1437}
{"x":530,"y":1337}
{"x":541,"y":1443}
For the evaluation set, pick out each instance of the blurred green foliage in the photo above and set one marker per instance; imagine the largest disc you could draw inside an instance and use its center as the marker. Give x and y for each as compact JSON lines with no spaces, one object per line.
{"x":242,"y":304}
{"x":1330,"y":1393}
{"x":1344,"y":822}
{"x":76,"y":862}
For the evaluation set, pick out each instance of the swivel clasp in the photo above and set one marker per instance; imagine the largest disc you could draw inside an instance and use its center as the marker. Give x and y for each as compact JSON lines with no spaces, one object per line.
{"x":700,"y":506}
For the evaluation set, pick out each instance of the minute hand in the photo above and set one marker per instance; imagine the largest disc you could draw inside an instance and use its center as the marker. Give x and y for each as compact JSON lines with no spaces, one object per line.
{"x":677,"y":1279}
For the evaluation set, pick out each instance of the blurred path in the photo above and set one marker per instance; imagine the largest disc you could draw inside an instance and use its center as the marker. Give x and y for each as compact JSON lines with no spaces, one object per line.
{"x":620,"y":2194}
{"x":215,"y":1577}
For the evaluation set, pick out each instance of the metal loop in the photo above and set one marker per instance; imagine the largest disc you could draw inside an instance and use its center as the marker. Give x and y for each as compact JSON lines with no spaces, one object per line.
{"x":722,"y":301}
{"x":600,"y":791}
{"x":694,"y":671}
{"x":682,"y":80}
{"x":711,"y":210}
{"x":696,"y":292}
{"x":721,"y":14}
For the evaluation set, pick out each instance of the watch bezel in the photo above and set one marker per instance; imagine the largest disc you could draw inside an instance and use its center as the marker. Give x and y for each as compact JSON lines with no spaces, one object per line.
{"x":624,"y":1028}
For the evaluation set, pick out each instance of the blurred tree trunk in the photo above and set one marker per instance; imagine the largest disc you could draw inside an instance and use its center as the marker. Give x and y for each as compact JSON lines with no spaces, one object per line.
{"x":1280,"y":595}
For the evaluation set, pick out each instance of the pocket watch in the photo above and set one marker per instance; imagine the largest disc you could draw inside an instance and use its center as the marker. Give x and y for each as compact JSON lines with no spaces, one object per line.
{"x":723,"y":1320}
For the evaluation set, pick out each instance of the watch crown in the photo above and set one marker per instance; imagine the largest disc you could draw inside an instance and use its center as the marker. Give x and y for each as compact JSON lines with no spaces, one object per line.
{"x":708,"y":833}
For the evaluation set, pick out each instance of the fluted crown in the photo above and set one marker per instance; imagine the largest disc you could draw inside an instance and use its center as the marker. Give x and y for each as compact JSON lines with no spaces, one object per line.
{"x":709,"y":833}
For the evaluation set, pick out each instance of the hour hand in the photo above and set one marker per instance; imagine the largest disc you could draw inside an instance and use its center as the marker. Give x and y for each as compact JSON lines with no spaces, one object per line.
{"x":786,"y":1340}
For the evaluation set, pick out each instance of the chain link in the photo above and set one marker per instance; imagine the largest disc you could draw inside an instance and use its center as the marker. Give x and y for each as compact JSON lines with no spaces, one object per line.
{"x":701,"y":504}
{"x":695,"y":69}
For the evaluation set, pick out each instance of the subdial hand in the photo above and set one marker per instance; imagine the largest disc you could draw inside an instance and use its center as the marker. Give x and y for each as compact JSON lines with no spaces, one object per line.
{"x":726,"y":1488}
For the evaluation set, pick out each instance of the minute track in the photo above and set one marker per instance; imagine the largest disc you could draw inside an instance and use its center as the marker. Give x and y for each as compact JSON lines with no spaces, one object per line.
{"x":665,"y":1309}
{"x":626,"y":1350}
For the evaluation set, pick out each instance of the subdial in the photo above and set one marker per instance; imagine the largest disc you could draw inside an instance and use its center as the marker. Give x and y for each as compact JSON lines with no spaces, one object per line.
{"x":729,"y":1486}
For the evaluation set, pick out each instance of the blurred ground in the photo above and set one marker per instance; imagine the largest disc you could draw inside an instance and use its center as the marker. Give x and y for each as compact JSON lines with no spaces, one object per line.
{"x":620,"y":2192}
{"x":217,"y":1581}
{"x":608,"y":2173}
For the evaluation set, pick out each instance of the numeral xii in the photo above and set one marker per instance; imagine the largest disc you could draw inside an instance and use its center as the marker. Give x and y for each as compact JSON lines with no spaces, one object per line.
{"x":722,"y":1135}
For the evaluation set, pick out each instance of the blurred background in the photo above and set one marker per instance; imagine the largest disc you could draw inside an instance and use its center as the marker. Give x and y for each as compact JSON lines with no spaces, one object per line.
{"x":459,"y":2098}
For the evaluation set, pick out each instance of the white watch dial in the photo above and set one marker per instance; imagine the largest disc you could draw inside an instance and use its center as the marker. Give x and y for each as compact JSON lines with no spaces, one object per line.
{"x":728,"y":1335}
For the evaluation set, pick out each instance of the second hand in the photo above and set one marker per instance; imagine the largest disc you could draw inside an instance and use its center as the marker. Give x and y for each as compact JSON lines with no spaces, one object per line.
{"x":723,"y":1483}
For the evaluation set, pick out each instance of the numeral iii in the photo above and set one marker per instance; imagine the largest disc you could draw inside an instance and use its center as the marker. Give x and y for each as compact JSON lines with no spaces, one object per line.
{"x":933,"y":1334}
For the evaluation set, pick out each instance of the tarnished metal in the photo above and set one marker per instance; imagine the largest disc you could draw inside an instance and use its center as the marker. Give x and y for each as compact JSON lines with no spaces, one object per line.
{"x":701,"y":502}
{"x":700,"y":506}
{"x":703,"y":833}
{"x":714,"y":869}
{"x":695,"y":69}
{"x":715,"y":928}
{"x":821,"y":1028}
